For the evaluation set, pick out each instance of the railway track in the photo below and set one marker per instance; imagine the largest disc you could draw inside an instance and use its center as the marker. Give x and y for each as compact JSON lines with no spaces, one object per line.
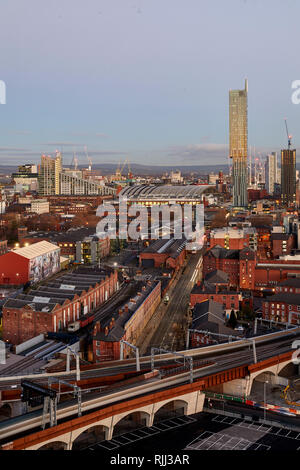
{"x":222,"y":361}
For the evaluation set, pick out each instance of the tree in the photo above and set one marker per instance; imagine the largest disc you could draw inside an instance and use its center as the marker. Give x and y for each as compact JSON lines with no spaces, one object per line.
{"x":219,"y":219}
{"x":247,"y":312}
{"x":232,"y":322}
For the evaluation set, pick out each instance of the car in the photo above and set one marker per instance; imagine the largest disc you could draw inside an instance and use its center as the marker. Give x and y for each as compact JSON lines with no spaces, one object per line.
{"x":239,"y":328}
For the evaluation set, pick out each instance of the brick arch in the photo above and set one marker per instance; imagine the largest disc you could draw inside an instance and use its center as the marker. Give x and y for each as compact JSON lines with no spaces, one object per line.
{"x":54,"y":445}
{"x":124,"y":415}
{"x":5,"y":411}
{"x":282,"y":365}
{"x":119,"y":418}
{"x":271,"y":371}
{"x":172,"y":400}
{"x":79,"y":432}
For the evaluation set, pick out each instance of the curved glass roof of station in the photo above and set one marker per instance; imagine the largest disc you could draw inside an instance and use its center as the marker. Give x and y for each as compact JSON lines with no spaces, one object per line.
{"x":164,"y":191}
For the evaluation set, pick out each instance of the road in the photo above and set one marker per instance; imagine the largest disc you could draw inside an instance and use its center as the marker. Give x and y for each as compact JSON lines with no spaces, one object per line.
{"x":163,"y":334}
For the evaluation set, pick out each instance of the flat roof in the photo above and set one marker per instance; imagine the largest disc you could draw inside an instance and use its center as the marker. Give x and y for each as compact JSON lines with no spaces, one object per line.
{"x":36,"y":249}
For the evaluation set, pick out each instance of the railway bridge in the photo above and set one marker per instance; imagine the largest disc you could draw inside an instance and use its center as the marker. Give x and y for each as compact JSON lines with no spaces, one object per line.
{"x":141,"y":404}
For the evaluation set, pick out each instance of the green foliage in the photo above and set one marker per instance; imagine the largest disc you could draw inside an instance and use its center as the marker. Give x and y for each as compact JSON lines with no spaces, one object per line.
{"x":247,"y":313}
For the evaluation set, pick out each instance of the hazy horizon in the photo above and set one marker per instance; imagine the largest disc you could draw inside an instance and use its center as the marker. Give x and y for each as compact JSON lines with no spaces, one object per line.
{"x":145,"y":80}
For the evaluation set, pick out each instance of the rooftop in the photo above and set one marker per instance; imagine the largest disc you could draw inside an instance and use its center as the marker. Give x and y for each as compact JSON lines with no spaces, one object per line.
{"x":209,"y":315}
{"x":173,"y":246}
{"x":36,"y":249}
{"x":290,"y":282}
{"x":117,"y":329}
{"x":286,"y":297}
{"x":164,"y":191}
{"x":57,"y":291}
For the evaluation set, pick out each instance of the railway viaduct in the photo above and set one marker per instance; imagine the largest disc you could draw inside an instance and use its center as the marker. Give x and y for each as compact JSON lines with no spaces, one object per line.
{"x":146,"y":409}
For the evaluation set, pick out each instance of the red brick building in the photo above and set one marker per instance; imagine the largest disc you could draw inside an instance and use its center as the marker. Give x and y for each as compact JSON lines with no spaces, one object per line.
{"x":282,"y":244}
{"x":208,"y":316}
{"x":216,"y":287}
{"x":238,"y":264}
{"x":233,"y":238}
{"x":57,"y":303}
{"x":290,"y":285}
{"x":127,"y":323}
{"x":169,"y":253}
{"x":247,"y":269}
{"x":282,"y":307}
{"x":273,"y":272}
{"x":256,"y":194}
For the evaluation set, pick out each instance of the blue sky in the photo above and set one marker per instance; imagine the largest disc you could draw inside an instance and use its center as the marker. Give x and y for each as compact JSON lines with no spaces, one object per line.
{"x":145,"y":79}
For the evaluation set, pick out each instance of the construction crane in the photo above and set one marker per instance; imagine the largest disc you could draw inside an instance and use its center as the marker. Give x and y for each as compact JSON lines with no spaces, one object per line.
{"x":88,"y":158}
{"x":288,"y":135}
{"x":120,"y":169}
{"x":74,"y":160}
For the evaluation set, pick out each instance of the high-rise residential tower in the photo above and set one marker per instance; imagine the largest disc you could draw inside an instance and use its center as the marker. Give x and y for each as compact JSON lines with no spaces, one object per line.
{"x":288,"y":176}
{"x":49,"y":174}
{"x":271,"y":172}
{"x":238,"y":144}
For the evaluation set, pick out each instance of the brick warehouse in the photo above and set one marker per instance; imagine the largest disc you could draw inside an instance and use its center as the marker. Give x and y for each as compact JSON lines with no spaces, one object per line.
{"x":57,"y":303}
{"x":127,"y":323}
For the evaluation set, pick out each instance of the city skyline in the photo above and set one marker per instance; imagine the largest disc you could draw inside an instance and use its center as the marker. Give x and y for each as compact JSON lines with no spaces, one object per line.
{"x":94,"y":89}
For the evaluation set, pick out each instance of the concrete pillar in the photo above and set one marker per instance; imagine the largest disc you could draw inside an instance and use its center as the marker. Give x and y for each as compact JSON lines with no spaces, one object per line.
{"x":111,"y":429}
{"x":249,"y":381}
{"x":17,"y":408}
{"x":152,"y":414}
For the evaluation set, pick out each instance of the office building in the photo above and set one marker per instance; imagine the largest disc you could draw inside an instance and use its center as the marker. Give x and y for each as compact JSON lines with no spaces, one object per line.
{"x":49,"y":171}
{"x":271,"y":172}
{"x":288,"y":176}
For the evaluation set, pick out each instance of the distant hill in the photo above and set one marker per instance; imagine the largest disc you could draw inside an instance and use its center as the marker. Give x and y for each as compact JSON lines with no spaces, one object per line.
{"x":136,"y":168}
{"x":146,"y":170}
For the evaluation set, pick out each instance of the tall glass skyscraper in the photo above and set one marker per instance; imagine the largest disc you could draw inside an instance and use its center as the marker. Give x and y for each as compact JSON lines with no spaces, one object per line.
{"x":238,"y":144}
